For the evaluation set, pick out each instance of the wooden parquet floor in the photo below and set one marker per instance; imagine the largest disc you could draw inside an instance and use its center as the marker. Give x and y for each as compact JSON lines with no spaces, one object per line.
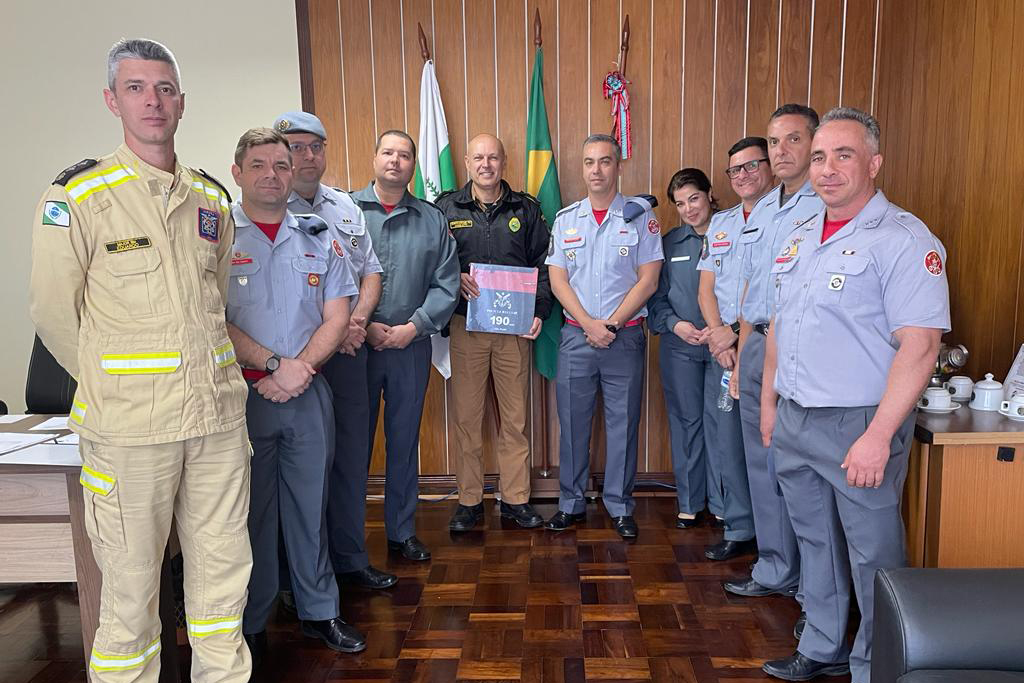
{"x":495,"y":604}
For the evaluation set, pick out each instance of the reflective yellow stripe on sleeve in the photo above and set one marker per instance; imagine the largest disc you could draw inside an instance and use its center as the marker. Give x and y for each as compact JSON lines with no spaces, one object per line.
{"x":140,"y":363}
{"x":224,"y":355}
{"x":104,"y":662}
{"x":200,"y":628}
{"x":211,"y":192}
{"x":97,"y":482}
{"x":78,"y":411}
{"x":84,"y":186}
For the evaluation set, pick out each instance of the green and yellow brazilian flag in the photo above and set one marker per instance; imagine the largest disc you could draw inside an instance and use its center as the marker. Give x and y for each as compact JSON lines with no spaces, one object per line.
{"x":542,"y":183}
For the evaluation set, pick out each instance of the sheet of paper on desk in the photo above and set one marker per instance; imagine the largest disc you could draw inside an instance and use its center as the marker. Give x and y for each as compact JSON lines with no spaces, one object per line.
{"x":68,"y":439}
{"x":12,"y":442}
{"x":11,"y":419}
{"x":1014,"y":383}
{"x":53,"y":424}
{"x":44,"y":454}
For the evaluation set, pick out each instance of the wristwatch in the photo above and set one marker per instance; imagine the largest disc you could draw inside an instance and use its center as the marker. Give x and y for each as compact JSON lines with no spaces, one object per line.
{"x":273,"y":363}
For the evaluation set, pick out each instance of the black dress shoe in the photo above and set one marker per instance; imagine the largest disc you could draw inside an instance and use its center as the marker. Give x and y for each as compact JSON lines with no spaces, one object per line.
{"x":796,"y":667}
{"x":726,"y":550}
{"x":798,"y":627}
{"x":524,"y":515}
{"x":625,"y":526}
{"x":752,"y":589}
{"x":716,"y":522}
{"x":561,"y":521}
{"x":466,"y":517}
{"x":336,"y":634}
{"x":368,"y":577}
{"x":411,"y":548}
{"x":684,"y":523}
{"x":257,"y":643}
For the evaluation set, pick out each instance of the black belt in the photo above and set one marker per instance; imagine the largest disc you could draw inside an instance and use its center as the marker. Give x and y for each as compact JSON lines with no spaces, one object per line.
{"x":762,"y":328}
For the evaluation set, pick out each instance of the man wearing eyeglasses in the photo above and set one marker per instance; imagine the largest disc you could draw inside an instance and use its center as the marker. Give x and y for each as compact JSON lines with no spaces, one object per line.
{"x":346,"y":370}
{"x":719,"y":296}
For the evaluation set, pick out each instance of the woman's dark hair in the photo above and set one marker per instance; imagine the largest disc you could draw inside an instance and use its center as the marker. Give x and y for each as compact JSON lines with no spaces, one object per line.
{"x":695,"y":177}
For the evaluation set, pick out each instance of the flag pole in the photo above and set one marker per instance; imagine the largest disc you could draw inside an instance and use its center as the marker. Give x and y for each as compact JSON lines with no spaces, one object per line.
{"x":424,"y":50}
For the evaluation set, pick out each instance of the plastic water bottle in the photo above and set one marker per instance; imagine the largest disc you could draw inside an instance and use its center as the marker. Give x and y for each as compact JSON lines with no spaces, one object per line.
{"x":725,"y":401}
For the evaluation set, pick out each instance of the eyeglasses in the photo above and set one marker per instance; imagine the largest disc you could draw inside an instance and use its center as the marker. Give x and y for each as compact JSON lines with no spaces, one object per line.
{"x":317,"y":148}
{"x":749,"y":167}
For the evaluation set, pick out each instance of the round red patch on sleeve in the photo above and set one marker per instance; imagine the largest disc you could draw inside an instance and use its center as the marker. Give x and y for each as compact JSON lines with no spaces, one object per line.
{"x":654,"y":227}
{"x":933,"y":262}
{"x":337,"y":249}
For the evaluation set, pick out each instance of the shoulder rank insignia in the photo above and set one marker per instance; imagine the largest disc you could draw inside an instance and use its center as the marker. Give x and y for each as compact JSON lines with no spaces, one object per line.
{"x":216,"y":182}
{"x":71,"y":171}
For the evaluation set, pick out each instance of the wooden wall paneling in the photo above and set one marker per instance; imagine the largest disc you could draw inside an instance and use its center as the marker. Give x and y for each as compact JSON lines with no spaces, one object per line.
{"x":729,"y":75}
{"x":826,"y":54}
{"x":698,"y":82}
{"x":329,"y":103}
{"x":414,"y":12}
{"x":571,"y":120}
{"x":858,"y":74}
{"x":762,"y":65}
{"x":359,"y":104}
{"x":666,"y":153}
{"x":513,"y":84}
{"x":480,"y":53}
{"x":1015,"y":160}
{"x":895,"y":60}
{"x":636,"y":172}
{"x":794,"y":57}
{"x":450,"y":58}
{"x":388,"y":65}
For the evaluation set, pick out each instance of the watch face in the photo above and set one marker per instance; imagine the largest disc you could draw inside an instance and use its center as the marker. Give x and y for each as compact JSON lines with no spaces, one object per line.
{"x":273,"y":363}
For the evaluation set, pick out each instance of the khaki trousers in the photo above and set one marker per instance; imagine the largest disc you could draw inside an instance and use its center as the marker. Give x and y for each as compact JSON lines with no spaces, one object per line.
{"x":131,"y":494}
{"x":506,"y":358}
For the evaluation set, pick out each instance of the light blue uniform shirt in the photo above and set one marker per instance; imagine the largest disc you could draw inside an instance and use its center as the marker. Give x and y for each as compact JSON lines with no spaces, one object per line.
{"x":723,"y":256}
{"x":839,"y":303}
{"x":762,"y":238}
{"x":277,"y":291}
{"x":347,"y":225}
{"x":602,"y":261}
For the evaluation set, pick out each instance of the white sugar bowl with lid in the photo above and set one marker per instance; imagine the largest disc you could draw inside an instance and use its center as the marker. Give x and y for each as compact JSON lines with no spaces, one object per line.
{"x":987,"y":395}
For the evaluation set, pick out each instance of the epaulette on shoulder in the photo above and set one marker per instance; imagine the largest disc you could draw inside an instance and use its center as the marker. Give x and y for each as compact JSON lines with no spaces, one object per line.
{"x":445,"y":194}
{"x":311,"y":223}
{"x":71,"y":171}
{"x":911,"y":223}
{"x":568,"y":208}
{"x":530,"y":198}
{"x":215,"y":182}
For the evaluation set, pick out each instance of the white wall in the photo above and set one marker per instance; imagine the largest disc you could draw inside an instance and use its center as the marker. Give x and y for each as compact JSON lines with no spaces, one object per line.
{"x":239,"y":68}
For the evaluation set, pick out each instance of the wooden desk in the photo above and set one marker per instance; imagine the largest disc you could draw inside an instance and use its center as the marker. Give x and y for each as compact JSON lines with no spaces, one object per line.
{"x":964,"y":496}
{"x":43,"y":539}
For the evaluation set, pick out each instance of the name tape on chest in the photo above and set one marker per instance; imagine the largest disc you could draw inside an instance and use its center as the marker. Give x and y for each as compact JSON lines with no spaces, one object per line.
{"x":118,"y":246}
{"x":240,"y":258}
{"x":455,"y":225}
{"x":675,"y":259}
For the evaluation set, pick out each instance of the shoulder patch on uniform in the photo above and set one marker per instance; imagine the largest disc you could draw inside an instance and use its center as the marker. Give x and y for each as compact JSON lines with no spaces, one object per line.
{"x":215,"y":182}
{"x":311,"y":223}
{"x":71,"y":171}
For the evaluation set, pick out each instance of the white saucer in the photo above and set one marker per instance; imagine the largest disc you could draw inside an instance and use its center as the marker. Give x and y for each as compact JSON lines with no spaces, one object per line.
{"x":1015,"y":418}
{"x":940,"y":411}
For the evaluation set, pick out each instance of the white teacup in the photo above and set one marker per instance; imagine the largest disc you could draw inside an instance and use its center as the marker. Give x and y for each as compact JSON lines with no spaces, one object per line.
{"x":959,"y":387}
{"x":1015,"y":406}
{"x":936,"y":397}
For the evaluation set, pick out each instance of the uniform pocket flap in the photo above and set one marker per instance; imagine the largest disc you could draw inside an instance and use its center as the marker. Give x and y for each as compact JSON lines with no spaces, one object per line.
{"x":351,"y":228}
{"x":847,"y":264}
{"x":250,"y":268}
{"x":96,"y":481}
{"x":624,"y":238}
{"x":309,"y":265}
{"x":783,"y":264}
{"x":132,"y":262}
{"x":749,"y":236}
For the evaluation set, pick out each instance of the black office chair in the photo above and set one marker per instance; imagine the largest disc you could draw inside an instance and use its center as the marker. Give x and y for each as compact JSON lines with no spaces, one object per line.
{"x":3,"y":408}
{"x":49,"y":389}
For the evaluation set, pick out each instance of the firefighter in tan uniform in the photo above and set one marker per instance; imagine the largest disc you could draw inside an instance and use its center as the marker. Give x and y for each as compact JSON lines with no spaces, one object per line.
{"x":130,"y":260}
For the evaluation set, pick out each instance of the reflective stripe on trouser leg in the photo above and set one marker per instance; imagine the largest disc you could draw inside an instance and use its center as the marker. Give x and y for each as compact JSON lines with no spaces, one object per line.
{"x":210,"y":516}
{"x":129,"y":497}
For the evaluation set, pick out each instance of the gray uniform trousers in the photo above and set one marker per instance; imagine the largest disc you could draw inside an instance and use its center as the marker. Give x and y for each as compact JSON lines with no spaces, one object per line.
{"x":402,"y":376}
{"x":778,"y":562}
{"x":293,"y":445}
{"x":346,"y":504}
{"x":691,"y":379}
{"x":619,"y":372}
{"x":841,"y":529}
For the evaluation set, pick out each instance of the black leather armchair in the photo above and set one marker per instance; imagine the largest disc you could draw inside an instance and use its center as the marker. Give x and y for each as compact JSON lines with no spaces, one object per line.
{"x":49,"y":389}
{"x":948,"y":626}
